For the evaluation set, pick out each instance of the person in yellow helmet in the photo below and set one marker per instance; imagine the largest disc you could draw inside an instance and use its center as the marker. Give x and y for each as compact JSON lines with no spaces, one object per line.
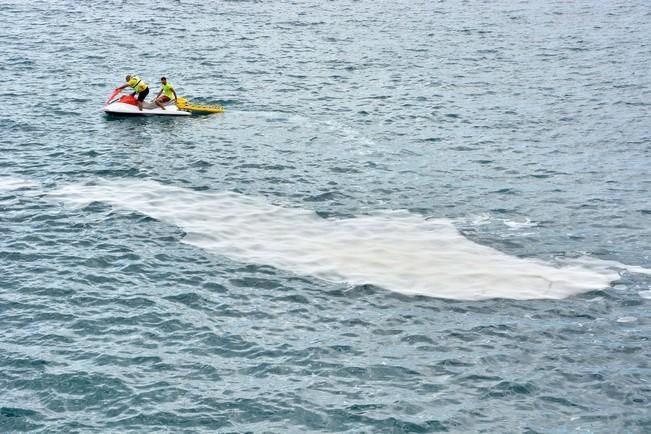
{"x":139,"y":87}
{"x":168,"y":92}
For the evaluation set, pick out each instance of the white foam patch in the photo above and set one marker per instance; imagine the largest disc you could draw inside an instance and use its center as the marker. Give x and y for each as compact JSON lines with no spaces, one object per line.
{"x":397,"y":251}
{"x":515,"y":225}
{"x":10,"y":184}
{"x":605,"y":264}
{"x":480,"y":220}
{"x":645,"y":294}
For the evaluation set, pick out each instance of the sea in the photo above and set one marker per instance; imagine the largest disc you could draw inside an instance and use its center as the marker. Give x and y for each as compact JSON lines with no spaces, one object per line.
{"x":414,"y":216}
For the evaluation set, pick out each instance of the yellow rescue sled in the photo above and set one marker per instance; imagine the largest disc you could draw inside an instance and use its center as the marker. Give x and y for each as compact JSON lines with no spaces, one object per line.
{"x":184,"y":104}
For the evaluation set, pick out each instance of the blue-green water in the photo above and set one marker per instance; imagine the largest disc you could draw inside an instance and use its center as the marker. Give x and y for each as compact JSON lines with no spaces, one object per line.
{"x":414,"y":216}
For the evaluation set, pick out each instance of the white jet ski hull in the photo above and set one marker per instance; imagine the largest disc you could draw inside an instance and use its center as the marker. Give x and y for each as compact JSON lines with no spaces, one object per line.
{"x":120,"y":108}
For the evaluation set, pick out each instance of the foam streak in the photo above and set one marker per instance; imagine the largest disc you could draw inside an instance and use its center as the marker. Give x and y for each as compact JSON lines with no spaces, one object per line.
{"x":397,"y":251}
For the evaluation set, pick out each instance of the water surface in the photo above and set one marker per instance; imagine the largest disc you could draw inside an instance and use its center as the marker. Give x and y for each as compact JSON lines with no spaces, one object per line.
{"x":414,"y":216}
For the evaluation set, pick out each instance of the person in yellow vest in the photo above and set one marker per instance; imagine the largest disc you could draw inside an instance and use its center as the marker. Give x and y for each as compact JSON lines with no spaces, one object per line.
{"x":139,"y":87}
{"x":169,"y":94}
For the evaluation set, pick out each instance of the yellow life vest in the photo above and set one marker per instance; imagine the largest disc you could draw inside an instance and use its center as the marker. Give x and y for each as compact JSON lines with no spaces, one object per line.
{"x":167,"y":90}
{"x":137,"y":84}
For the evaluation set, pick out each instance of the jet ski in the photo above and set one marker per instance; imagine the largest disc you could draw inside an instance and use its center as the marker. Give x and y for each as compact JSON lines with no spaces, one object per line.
{"x":128,"y":105}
